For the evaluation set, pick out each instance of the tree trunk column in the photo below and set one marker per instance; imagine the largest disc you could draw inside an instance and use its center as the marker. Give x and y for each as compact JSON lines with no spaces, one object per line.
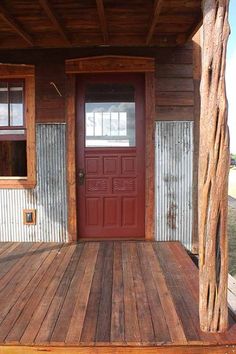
{"x":213,"y":169}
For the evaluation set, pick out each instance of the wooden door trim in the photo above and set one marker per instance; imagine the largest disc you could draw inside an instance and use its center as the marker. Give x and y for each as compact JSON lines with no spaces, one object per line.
{"x":110,"y":64}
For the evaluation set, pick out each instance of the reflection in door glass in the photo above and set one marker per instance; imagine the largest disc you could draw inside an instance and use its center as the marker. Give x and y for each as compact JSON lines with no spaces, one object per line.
{"x":110,"y":115}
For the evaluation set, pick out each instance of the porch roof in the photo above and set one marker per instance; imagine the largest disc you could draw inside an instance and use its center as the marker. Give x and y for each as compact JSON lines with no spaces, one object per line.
{"x":89,"y":23}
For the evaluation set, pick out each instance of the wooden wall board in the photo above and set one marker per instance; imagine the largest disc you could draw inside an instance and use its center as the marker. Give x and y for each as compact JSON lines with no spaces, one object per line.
{"x":174,"y":83}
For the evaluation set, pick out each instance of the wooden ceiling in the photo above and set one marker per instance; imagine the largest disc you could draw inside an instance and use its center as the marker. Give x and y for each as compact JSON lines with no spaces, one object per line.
{"x":91,"y":23}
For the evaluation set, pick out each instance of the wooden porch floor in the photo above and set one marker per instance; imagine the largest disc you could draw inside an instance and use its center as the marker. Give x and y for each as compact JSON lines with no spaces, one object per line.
{"x":101,"y":294}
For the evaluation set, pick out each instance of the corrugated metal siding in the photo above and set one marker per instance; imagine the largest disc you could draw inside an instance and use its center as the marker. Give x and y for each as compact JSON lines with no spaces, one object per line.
{"x":48,"y":198}
{"x":174,"y":170}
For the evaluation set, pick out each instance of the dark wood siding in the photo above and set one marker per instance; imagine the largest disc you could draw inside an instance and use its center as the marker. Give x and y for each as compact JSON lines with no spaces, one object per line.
{"x":174,"y":78}
{"x":174,"y":84}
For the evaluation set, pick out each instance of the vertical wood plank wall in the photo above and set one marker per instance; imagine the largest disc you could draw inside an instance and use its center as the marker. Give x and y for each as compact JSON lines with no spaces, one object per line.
{"x":174,"y":79}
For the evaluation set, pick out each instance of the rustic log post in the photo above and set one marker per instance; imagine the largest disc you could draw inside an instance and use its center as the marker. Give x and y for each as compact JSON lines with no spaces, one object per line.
{"x":213,"y":169}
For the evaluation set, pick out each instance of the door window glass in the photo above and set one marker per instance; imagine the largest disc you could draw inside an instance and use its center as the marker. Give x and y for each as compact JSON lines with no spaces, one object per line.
{"x":109,"y":115}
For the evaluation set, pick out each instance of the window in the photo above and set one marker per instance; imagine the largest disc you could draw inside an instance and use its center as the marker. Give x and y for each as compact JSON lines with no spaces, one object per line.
{"x":110,"y":115}
{"x":17,"y":126}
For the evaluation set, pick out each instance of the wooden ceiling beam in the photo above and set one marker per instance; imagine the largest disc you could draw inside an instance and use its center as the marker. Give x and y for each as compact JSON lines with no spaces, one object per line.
{"x":102,"y":19}
{"x":154,"y":20}
{"x":9,"y":19}
{"x":50,"y":13}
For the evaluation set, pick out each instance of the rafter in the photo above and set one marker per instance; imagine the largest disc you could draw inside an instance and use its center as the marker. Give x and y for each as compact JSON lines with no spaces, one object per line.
{"x":50,"y":13}
{"x":9,"y":19}
{"x":102,"y":18}
{"x":155,"y":16}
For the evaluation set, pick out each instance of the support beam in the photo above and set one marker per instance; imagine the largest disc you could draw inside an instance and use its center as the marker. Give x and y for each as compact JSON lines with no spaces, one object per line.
{"x":213,"y":169}
{"x":155,"y":16}
{"x":102,"y":19}
{"x":50,"y":13}
{"x":9,"y":19}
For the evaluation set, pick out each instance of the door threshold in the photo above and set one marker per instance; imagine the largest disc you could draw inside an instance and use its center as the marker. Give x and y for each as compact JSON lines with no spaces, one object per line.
{"x":87,"y":239}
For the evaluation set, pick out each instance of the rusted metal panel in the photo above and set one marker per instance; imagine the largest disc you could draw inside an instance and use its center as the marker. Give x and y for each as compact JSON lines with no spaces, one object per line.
{"x":174,"y":171}
{"x":48,"y":198}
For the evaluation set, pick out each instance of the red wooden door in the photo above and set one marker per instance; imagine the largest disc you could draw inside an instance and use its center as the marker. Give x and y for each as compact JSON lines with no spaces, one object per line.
{"x":110,"y":156}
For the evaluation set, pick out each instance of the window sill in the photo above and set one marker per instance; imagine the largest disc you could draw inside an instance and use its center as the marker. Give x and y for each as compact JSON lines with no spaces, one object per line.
{"x":16,"y":183}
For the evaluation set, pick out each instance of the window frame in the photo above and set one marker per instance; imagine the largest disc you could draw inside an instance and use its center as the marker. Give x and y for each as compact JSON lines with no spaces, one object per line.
{"x":27,"y":74}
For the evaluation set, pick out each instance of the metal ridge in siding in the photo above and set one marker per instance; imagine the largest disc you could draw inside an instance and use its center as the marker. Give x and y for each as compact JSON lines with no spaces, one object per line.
{"x":174,"y":170}
{"x":48,"y":198}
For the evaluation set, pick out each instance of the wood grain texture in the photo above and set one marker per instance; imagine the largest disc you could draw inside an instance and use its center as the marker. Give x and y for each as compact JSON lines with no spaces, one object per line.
{"x":150,"y":155}
{"x":96,"y":295}
{"x":120,"y":350}
{"x":102,"y":19}
{"x":196,"y":93}
{"x":213,"y":169}
{"x":10,"y":20}
{"x":71,"y":164}
{"x":56,"y":24}
{"x":53,"y":17}
{"x":109,"y":63}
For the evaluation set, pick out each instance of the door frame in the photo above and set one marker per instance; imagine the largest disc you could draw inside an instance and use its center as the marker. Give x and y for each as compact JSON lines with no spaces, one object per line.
{"x":110,"y":64}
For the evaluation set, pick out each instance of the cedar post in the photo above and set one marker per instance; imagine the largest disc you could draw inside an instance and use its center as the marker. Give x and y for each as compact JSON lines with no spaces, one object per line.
{"x":213,"y":169}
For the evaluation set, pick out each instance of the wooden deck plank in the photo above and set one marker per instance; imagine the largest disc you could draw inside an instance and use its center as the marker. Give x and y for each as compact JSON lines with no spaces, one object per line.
{"x":90,"y":323}
{"x":103,"y":331}
{"x":186,"y":311}
{"x":103,"y":297}
{"x":143,"y":309}
{"x":11,"y":260}
{"x":23,"y":320}
{"x":4,"y":246}
{"x":46,"y":329}
{"x":161,"y":329}
{"x":63,"y":322}
{"x":132,"y":330}
{"x":117,"y":316}
{"x":53,"y":282}
{"x":175,"y":326}
{"x":226,"y":349}
{"x":189,"y":274}
{"x":18,"y":306}
{"x":30,"y":263}
{"x":77,"y":319}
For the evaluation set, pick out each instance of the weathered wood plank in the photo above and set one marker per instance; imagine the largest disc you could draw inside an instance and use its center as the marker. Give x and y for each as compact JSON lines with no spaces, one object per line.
{"x":117,"y":311}
{"x":174,"y":113}
{"x":161,"y":330}
{"x":52,"y":284}
{"x":63,"y":322}
{"x":49,"y":322}
{"x":26,"y":294}
{"x":78,"y":315}
{"x":17,"y":331}
{"x":121,"y":350}
{"x":173,"y":322}
{"x":132,"y":330}
{"x":143,"y":309}
{"x":103,"y":333}
{"x":186,"y":308}
{"x":90,"y":323}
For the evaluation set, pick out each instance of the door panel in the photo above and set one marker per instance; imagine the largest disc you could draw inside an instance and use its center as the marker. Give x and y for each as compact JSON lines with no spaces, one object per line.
{"x":110,"y":156}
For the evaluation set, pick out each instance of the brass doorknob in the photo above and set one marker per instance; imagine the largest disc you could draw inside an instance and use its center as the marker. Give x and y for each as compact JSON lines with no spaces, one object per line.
{"x":81,"y":176}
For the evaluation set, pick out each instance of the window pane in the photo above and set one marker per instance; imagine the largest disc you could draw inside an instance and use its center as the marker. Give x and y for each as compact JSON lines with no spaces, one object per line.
{"x":110,"y":115}
{"x":14,"y":163}
{"x":3,"y":104}
{"x":16,"y":104}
